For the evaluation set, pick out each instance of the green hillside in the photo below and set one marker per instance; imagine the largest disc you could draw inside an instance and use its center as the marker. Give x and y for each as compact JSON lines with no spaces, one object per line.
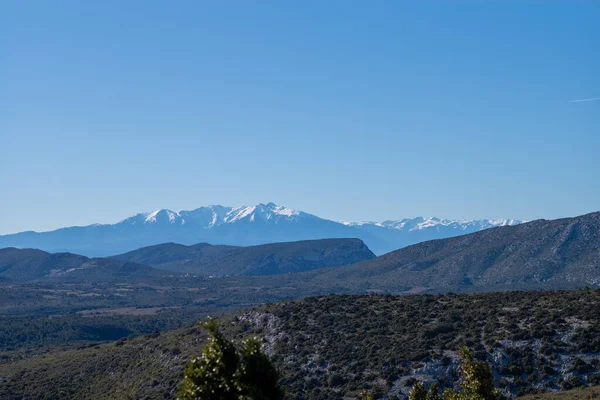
{"x":331,"y":347}
{"x":576,"y":394}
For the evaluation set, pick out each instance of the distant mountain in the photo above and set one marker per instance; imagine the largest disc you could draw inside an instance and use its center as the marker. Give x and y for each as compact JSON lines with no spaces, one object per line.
{"x":408,"y":231}
{"x":170,"y":259}
{"x":24,"y":265}
{"x":562,"y":253}
{"x":240,"y":226}
{"x":268,"y":259}
{"x":173,"y":253}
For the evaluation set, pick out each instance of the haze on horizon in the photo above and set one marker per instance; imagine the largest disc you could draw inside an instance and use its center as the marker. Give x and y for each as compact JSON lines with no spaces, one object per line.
{"x":345,"y":111}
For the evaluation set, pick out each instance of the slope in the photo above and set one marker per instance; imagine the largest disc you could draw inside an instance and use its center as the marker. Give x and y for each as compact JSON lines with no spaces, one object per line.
{"x":268,"y":259}
{"x":25,"y":265}
{"x":561,"y":253}
{"x":331,"y":347}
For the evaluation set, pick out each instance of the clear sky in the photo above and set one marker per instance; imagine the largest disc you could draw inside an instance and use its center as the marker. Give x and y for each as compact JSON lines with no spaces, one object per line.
{"x":349,"y":110}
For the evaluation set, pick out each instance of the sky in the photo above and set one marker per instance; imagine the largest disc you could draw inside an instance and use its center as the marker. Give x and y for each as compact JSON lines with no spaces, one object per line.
{"x":348,"y":110}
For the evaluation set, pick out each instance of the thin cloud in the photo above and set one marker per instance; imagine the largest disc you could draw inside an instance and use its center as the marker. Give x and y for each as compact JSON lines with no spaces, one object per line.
{"x":582,"y":100}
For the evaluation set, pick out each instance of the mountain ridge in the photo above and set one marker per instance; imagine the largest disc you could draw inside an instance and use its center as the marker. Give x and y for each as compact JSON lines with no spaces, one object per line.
{"x":24,"y":265}
{"x":266,"y":259}
{"x":239,"y":226}
{"x":176,"y":260}
{"x":538,"y":254}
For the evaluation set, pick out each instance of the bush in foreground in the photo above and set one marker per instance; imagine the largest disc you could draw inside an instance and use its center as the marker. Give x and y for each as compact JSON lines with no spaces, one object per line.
{"x":477,"y":383}
{"x":226,"y":372}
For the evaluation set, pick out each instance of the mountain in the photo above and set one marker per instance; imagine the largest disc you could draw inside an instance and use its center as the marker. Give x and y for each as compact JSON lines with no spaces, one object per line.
{"x":562,"y":253}
{"x":238,"y":226}
{"x":333,"y":347}
{"x":407,"y":231}
{"x":268,"y":259}
{"x":174,"y":253}
{"x":24,"y":265}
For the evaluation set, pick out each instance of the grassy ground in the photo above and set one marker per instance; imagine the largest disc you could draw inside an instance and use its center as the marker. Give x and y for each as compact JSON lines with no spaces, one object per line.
{"x":578,"y":394}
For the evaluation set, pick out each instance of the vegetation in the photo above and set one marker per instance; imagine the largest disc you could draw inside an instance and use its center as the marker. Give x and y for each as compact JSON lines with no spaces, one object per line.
{"x":576,"y":394}
{"x":225,"y":372}
{"x":333,"y":347}
{"x":477,"y":383}
{"x":266,"y":259}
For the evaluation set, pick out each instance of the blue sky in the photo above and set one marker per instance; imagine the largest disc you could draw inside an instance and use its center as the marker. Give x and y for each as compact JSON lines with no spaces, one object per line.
{"x":349,"y":110}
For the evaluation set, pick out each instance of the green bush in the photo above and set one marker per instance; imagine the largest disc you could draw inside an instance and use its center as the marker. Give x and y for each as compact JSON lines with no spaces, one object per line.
{"x":225,"y":372}
{"x":477,"y":383}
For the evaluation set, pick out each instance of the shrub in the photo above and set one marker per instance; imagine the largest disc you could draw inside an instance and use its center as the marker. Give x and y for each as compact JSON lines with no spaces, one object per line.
{"x":225,"y":372}
{"x":477,"y":383}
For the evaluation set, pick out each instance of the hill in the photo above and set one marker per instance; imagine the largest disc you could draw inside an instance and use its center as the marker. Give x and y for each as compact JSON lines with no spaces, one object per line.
{"x":331,"y":347}
{"x":575,"y":394}
{"x":169,"y":253}
{"x":24,"y":265}
{"x":562,"y":253}
{"x":239,"y":226}
{"x":268,"y":259}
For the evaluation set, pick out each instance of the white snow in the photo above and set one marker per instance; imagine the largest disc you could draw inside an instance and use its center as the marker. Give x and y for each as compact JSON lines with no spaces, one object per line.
{"x":260,"y":211}
{"x":172,"y":215}
{"x":418,"y":223}
{"x":216,"y":215}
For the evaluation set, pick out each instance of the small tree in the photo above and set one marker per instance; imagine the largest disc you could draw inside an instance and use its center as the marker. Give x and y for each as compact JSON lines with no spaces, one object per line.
{"x":364,"y":395}
{"x":418,"y":392}
{"x":433,"y":392}
{"x":477,"y":383}
{"x":224,"y":372}
{"x":477,"y":380}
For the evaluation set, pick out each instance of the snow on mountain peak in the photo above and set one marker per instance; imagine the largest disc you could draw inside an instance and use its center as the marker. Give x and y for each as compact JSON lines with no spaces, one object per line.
{"x":420,"y":223}
{"x":239,"y":213}
{"x":505,"y":222}
{"x":215,"y":215}
{"x":163,"y":214}
{"x":270,"y":211}
{"x":281,"y":210}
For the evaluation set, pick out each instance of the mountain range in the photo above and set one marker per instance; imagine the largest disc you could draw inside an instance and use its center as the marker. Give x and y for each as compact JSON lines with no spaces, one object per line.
{"x":24,"y":265}
{"x":562,"y":253}
{"x":239,"y":226}
{"x":542,"y":254}
{"x":175,"y":260}
{"x":266,"y":259}
{"x":415,"y":335}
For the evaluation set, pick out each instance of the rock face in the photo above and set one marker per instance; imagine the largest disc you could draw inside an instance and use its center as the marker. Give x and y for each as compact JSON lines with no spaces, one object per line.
{"x":268,"y":259}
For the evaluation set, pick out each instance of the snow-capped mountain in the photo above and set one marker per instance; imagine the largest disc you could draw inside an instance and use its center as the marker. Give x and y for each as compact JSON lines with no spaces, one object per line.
{"x":419,"y":223}
{"x":242,"y":226}
{"x":212,"y":216}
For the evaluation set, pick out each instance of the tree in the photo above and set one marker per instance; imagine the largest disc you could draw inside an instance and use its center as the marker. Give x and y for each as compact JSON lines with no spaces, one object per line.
{"x":477,"y":380}
{"x":433,"y":393}
{"x":364,"y":395}
{"x":225,"y":372}
{"x":477,"y":383}
{"x":418,"y":392}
